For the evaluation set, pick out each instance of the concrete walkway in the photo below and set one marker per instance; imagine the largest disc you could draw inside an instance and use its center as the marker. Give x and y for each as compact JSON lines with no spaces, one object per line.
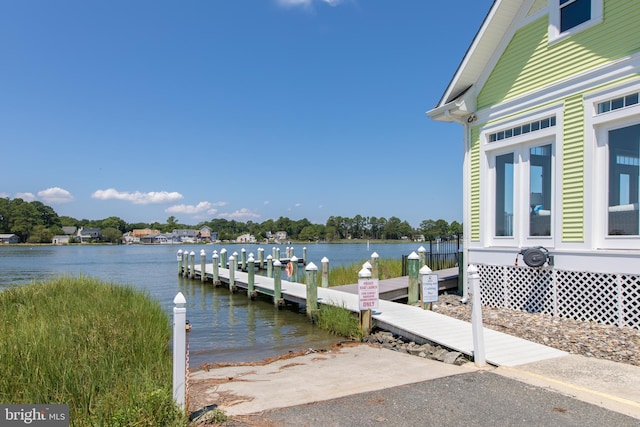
{"x":353,"y":370}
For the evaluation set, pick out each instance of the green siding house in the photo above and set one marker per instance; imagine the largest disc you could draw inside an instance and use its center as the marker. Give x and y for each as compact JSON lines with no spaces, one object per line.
{"x":548,"y":96}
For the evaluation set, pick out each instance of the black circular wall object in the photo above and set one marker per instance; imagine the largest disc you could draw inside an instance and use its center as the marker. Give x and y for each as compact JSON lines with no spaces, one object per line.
{"x":535,"y":257}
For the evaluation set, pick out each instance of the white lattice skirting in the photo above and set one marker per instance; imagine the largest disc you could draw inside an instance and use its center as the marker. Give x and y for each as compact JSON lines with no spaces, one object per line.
{"x":612,"y":299}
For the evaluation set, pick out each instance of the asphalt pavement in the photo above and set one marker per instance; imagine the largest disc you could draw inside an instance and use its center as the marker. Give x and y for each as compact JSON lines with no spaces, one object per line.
{"x":363,"y":385}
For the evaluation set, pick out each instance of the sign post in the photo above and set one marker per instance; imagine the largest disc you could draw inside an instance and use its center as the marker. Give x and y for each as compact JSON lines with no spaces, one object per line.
{"x":429,"y":288}
{"x":368,"y":298}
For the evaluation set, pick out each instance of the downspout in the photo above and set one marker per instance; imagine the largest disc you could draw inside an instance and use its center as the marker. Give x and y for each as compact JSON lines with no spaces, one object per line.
{"x":466,"y":173}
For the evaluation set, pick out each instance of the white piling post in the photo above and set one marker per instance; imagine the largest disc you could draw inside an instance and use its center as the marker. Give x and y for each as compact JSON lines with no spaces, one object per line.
{"x":179,"y":350}
{"x":180,"y":262}
{"x":192,"y":268}
{"x":216,"y":268}
{"x":476,"y":317}
{"x":375,"y":258}
{"x":422,"y":253}
{"x":203,"y":266}
{"x":325,"y":272}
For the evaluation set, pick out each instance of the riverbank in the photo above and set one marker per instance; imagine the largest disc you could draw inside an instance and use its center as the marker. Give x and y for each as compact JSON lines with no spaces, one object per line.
{"x":98,"y":347}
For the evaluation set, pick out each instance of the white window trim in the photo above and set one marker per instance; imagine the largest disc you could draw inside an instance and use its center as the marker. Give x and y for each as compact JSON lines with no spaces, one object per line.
{"x":554,"y":20}
{"x":520,"y":146}
{"x":597,"y":127}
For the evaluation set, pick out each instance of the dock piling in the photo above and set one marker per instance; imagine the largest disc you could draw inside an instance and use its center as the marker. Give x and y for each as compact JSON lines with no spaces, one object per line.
{"x":251,"y":293}
{"x":203,"y":266}
{"x":232,"y":274}
{"x":413,"y":268}
{"x":277,"y":284}
{"x":375,"y":259}
{"x":325,"y":272}
{"x":312,"y":289}
{"x":192,"y":270}
{"x":216,"y":268}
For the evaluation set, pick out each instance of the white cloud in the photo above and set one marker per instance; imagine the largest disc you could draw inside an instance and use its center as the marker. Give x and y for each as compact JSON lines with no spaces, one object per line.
{"x":306,"y":3}
{"x":4,"y":195}
{"x":138,"y":198}
{"x":27,"y":197}
{"x":241,"y":214}
{"x":202,"y":207}
{"x":55,"y":195}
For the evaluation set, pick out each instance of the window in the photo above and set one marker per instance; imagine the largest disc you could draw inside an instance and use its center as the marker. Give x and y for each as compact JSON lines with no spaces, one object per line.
{"x":613,"y":153}
{"x":520,"y":189}
{"x":523,"y":189}
{"x":571,"y":16}
{"x":540,"y":179}
{"x":574,"y":13}
{"x":504,"y":195}
{"x":624,"y":167}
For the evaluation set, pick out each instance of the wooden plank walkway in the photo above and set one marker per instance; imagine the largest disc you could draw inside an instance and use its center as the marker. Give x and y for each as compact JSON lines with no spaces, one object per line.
{"x":410,"y":322}
{"x":398,"y":287}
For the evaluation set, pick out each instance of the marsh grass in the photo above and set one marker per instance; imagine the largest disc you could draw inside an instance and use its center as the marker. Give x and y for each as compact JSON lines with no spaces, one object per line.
{"x":98,"y":347}
{"x":339,"y":321}
{"x":347,"y":275}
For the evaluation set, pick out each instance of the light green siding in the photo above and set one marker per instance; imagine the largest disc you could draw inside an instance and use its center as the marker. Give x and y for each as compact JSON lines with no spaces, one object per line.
{"x":475,"y":184}
{"x":573,"y":171}
{"x":530,"y":62}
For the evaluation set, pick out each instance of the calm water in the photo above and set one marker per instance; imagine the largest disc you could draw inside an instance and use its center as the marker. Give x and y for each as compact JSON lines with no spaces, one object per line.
{"x":226,"y":327}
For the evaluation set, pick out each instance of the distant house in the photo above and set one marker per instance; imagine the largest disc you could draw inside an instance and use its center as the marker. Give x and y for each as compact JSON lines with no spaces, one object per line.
{"x":61,"y":239}
{"x":281,"y":236}
{"x":184,"y":235}
{"x":69,"y":230}
{"x":87,"y":234}
{"x":246,"y":238}
{"x":204,"y":233}
{"x":9,"y":238}
{"x":157,"y":239}
{"x":141,"y":232}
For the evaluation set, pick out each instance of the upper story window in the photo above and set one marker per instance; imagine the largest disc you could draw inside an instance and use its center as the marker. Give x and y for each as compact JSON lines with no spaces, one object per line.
{"x":574,"y":13}
{"x":522,"y":129}
{"x":570,"y":16}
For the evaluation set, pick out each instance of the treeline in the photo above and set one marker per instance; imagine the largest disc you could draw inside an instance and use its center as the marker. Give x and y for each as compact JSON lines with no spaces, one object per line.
{"x":35,"y":222}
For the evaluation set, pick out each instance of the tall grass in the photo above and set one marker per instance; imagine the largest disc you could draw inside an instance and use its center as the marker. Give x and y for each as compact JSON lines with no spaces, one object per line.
{"x":98,"y":347}
{"x":339,"y":321}
{"x":347,"y":275}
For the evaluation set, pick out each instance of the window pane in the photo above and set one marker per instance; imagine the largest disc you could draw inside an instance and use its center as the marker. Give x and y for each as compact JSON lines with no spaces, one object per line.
{"x":540,"y":180}
{"x":574,"y":14}
{"x":624,"y":166}
{"x":617,"y":103}
{"x":504,"y":195}
{"x":631,"y":99}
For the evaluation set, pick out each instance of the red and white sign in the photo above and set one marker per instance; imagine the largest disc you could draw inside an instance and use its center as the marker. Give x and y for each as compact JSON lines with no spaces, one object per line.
{"x":368,"y":294}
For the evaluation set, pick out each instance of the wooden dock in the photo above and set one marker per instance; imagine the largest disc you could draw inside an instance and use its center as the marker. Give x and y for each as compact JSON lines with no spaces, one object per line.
{"x":397,"y":289}
{"x":407,"y":321}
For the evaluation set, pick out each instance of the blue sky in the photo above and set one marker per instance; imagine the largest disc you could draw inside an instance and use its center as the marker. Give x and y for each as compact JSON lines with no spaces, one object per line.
{"x":236,"y":109}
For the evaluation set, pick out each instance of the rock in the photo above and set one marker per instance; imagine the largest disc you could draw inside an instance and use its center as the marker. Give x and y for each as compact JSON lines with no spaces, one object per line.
{"x":451,"y":357}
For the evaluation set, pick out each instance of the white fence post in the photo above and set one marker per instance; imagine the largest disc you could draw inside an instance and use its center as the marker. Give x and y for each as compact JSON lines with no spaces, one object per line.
{"x":179,"y":350}
{"x":476,"y":317}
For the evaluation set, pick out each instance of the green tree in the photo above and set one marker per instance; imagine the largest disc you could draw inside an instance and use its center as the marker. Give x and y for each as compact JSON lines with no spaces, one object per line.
{"x":112,"y":235}
{"x":40,"y":234}
{"x":114,"y":222}
{"x":5,"y":209}
{"x":455,"y":228}
{"x":23,"y":218}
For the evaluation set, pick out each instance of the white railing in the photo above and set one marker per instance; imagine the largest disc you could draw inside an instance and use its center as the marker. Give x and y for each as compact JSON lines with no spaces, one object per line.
{"x":603,"y":298}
